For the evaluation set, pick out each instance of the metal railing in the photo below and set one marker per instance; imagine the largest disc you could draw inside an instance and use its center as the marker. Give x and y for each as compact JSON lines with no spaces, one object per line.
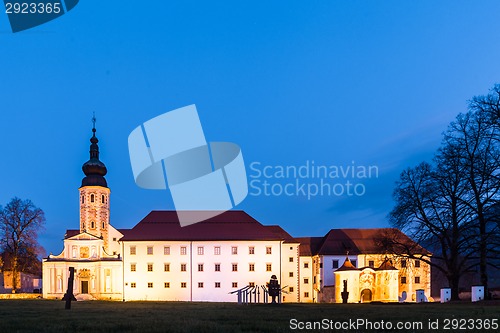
{"x":256,"y":294}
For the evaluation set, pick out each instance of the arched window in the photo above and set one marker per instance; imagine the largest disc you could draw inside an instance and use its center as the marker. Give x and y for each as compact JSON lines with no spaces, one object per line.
{"x":103,"y":198}
{"x":91,"y":198}
{"x":92,"y":225}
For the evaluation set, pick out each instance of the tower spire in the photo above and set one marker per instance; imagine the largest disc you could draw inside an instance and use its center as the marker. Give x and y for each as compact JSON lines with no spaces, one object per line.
{"x":94,"y":169}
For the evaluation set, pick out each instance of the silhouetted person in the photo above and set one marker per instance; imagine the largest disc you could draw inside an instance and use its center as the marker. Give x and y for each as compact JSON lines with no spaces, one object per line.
{"x":274,"y":288}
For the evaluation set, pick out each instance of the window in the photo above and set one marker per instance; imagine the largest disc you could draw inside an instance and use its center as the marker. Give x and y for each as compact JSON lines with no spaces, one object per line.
{"x":91,"y":198}
{"x":166,"y":267}
{"x":306,"y":265}
{"x":83,"y":199}
{"x":306,"y":281}
{"x":102,"y":198}
{"x":335,"y":263}
{"x":417,"y":279}
{"x":235,"y":267}
{"x":290,"y":259}
{"x":200,"y":267}
{"x":290,"y":274}
{"x":251,"y":250}
{"x":200,"y":284}
{"x":321,"y":264}
{"x":166,"y":250}
{"x":200,"y":250}
{"x":403,"y":280}
{"x":150,"y":267}
{"x":150,"y":250}
{"x":403,"y":263}
{"x":251,"y":267}
{"x":269,"y":250}
{"x":133,"y":267}
{"x":234,"y":250}
{"x":74,"y":251}
{"x":268,"y":267}
{"x":217,"y":267}
{"x":114,"y":239}
{"x":417,"y":263}
{"x":150,"y":284}
{"x":167,"y":284}
{"x":354,"y":263}
{"x":217,"y":284}
{"x":234,"y":284}
{"x":132,"y":250}
{"x":290,"y":289}
{"x":132,"y":285}
{"x":306,"y":294}
{"x":92,"y":225}
{"x":251,"y":284}
{"x":103,"y":226}
{"x":183,"y":284}
{"x":217,"y":250}
{"x":183,"y":267}
{"x":371,"y":263}
{"x":183,"y":250}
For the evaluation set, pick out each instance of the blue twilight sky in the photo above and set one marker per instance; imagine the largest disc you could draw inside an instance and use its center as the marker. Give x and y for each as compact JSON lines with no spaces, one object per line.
{"x":374,"y":82}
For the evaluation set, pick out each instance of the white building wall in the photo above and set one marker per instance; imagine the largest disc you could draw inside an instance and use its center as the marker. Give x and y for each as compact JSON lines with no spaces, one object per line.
{"x":307,"y":293}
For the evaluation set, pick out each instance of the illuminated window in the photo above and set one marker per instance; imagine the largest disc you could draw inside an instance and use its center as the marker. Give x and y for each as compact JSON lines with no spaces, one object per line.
{"x":290,"y":274}
{"x":183,"y":284}
{"x":306,"y":281}
{"x":403,"y":263}
{"x":290,"y":289}
{"x":150,"y":250}
{"x":200,"y":267}
{"x":371,"y":263}
{"x":217,"y":267}
{"x":269,"y":250}
{"x":200,"y":284}
{"x":234,"y":267}
{"x":417,"y":263}
{"x":166,"y":267}
{"x":183,"y":267}
{"x":132,"y":250}
{"x":132,"y":285}
{"x":133,"y":267}
{"x":200,"y":250}
{"x":290,"y":259}
{"x":306,"y":265}
{"x":251,"y":267}
{"x":217,"y":250}
{"x":166,"y":250}
{"x":91,"y":198}
{"x":268,"y":267}
{"x":306,"y":294}
{"x":335,"y":264}
{"x":217,"y":284}
{"x":183,"y":250}
{"x":234,"y":284}
{"x":150,"y":284}
{"x":251,"y":250}
{"x":251,"y":284}
{"x":74,"y":250}
{"x":417,"y":279}
{"x":403,"y":280}
{"x":234,"y":250}
{"x":167,"y":284}
{"x":150,"y":267}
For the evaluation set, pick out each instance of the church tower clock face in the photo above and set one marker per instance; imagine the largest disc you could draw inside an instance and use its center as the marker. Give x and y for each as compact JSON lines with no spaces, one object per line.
{"x":94,"y":194}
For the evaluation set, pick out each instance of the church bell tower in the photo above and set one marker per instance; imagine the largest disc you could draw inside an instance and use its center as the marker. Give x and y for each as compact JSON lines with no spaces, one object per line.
{"x":94,"y":194}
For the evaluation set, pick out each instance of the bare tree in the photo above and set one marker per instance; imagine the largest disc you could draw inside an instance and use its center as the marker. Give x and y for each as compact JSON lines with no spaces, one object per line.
{"x":20,"y":222}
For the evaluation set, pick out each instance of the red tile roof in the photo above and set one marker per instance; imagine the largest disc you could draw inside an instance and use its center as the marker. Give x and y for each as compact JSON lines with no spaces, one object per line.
{"x":230,"y":225}
{"x":309,"y":245}
{"x":280,"y":232}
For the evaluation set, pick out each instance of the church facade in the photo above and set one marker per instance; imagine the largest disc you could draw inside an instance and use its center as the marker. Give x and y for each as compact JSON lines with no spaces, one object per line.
{"x":160,"y":260}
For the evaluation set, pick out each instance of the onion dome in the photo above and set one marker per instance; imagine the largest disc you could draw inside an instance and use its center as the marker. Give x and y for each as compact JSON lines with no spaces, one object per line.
{"x":94,"y":169}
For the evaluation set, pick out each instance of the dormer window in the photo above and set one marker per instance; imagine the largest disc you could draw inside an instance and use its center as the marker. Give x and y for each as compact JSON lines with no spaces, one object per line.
{"x":91,"y":198}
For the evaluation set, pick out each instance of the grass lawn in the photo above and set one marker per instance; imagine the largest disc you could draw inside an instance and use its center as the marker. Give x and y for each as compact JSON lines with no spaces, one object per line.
{"x":144,"y":317}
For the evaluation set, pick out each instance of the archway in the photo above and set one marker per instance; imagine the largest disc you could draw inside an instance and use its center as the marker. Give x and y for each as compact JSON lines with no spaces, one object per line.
{"x":366,"y":295}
